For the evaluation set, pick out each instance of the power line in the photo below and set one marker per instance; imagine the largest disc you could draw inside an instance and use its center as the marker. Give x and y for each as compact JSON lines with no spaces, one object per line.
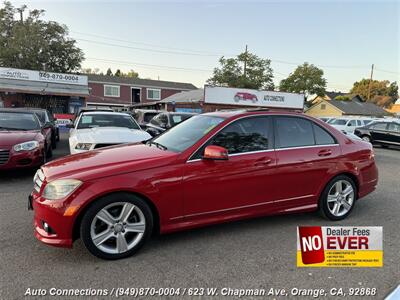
{"x":386,"y":71}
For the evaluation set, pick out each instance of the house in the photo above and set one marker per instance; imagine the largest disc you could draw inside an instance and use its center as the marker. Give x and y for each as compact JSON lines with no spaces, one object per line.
{"x":117,"y":92}
{"x":353,"y":107}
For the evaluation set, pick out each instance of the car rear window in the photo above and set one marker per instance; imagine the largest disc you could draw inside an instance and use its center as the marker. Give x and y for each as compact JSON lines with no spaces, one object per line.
{"x":322,"y":137}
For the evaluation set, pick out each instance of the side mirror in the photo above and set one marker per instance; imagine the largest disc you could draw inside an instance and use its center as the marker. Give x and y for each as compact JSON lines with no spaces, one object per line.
{"x":215,"y":153}
{"x":47,"y":125}
{"x":69,"y":125}
{"x":349,"y":124}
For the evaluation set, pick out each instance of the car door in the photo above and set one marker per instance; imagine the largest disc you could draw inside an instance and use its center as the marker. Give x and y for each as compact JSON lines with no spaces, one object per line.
{"x":243,"y":183}
{"x":305,"y":153}
{"x":351,"y":125}
{"x":393,"y":133}
{"x":378,"y":132}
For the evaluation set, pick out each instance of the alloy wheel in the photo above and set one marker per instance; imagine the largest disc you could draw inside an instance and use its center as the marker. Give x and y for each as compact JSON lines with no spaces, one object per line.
{"x":340,"y":198}
{"x":118,"y":227}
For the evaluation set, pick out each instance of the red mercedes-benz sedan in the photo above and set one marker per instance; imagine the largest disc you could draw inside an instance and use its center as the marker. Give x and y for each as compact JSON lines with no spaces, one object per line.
{"x":22,"y":143}
{"x":212,"y":168}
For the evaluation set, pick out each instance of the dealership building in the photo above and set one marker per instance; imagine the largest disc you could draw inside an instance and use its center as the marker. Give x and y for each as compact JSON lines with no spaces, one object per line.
{"x":59,"y":93}
{"x":66,"y":93}
{"x":213,"y":98}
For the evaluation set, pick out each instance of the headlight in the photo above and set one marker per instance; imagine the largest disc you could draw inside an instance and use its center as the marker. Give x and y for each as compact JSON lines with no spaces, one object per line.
{"x":27,"y":146}
{"x":83,"y":146}
{"x":61,"y":188}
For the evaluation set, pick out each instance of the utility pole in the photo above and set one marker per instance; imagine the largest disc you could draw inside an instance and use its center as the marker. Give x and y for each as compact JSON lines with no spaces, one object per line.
{"x":245,"y":62}
{"x":370,"y":82}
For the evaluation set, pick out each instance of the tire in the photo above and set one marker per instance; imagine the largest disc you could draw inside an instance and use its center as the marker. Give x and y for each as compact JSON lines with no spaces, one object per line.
{"x":331,"y":198}
{"x":366,"y":138}
{"x":94,"y":225}
{"x":53,"y":141}
{"x":49,"y":152}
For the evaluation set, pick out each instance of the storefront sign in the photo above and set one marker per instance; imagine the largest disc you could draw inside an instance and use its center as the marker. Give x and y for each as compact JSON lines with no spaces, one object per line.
{"x":339,"y":246}
{"x":29,"y":75}
{"x":248,"y":97}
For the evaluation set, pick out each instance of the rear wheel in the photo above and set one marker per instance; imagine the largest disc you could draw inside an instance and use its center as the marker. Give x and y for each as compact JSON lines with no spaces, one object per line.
{"x":338,"y":198}
{"x":116,"y":226}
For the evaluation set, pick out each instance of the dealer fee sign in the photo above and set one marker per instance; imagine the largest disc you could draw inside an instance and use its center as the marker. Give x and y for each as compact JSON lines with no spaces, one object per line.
{"x":319,"y":246}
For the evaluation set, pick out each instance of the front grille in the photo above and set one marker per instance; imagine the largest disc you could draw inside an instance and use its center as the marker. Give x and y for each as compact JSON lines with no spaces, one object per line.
{"x":38,"y":180}
{"x":103,"y":145}
{"x":4,"y":156}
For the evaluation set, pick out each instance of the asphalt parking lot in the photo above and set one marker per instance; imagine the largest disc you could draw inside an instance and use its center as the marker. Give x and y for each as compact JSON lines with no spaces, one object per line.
{"x":246,"y":254}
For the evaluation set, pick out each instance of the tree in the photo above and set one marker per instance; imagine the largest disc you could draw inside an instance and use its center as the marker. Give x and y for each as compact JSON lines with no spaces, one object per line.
{"x":306,"y":79}
{"x":118,"y":73}
{"x":131,"y":74}
{"x":382,"y":93}
{"x":90,"y":71}
{"x":231,"y":73}
{"x":33,"y":43}
{"x":109,"y":72}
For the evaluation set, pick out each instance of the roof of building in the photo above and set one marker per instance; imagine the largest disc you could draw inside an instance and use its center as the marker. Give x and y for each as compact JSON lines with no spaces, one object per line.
{"x":184,"y":97}
{"x":356,"y":107}
{"x":333,"y":95}
{"x":140,"y":82}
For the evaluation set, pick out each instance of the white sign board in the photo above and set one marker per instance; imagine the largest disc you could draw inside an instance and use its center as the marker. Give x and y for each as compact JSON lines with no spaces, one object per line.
{"x":248,"y":97}
{"x":19,"y":74}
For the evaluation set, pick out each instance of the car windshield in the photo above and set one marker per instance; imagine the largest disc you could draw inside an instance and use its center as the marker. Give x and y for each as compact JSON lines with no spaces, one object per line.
{"x":338,"y":122}
{"x":107,"y":120}
{"x":18,"y":121}
{"x":187,"y":133}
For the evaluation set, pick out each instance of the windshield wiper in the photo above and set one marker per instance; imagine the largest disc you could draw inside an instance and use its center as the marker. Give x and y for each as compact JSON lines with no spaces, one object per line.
{"x":158,"y":145}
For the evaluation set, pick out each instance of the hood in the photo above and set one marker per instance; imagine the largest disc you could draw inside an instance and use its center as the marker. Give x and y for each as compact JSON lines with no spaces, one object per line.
{"x":12,"y":137}
{"x":107,"y":162}
{"x":111,"y":135}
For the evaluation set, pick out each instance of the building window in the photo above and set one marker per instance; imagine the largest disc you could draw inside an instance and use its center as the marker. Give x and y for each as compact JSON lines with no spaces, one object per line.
{"x":111,"y":90}
{"x":154,"y":94}
{"x":323,"y":106}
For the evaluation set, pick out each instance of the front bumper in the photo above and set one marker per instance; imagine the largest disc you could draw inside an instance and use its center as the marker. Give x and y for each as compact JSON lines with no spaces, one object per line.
{"x":52,"y":213}
{"x":23,"y":159}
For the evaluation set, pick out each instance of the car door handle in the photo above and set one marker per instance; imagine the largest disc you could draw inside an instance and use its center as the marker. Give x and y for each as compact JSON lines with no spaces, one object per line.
{"x":263,"y":162}
{"x":325,"y":152}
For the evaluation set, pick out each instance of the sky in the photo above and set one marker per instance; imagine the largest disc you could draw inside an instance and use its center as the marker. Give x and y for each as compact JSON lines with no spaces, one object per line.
{"x":183,"y":40}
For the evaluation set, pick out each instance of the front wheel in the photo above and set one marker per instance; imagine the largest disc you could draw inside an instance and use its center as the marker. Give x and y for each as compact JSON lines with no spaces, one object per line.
{"x":366,"y":138}
{"x":338,"y":198}
{"x":116,"y":226}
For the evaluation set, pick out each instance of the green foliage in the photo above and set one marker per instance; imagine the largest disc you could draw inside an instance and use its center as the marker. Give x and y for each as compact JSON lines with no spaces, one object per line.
{"x":109,"y":72}
{"x":306,"y":79}
{"x":231,"y":72}
{"x":343,"y":98}
{"x":383,"y":93}
{"x":36,"y":44}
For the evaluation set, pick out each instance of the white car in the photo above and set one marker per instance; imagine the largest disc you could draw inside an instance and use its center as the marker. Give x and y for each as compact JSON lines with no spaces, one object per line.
{"x":93,"y":130}
{"x":348,"y":124}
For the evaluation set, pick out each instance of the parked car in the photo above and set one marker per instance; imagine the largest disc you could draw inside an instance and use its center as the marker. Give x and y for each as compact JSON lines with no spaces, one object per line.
{"x":384,"y":133}
{"x":91,"y":109}
{"x":166,"y":120}
{"x":22,"y":142}
{"x":348,"y":124}
{"x":245,"y":96}
{"x":48,"y":121}
{"x":93,"y":130}
{"x":143,"y":116}
{"x":212,"y":168}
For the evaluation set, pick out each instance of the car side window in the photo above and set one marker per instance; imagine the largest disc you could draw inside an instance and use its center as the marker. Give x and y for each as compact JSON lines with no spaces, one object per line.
{"x":155,"y":120}
{"x":394,"y":127}
{"x":352,"y":123}
{"x":245,"y":135}
{"x":293,"y":132}
{"x":322,"y":137}
{"x":379,"y":126}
